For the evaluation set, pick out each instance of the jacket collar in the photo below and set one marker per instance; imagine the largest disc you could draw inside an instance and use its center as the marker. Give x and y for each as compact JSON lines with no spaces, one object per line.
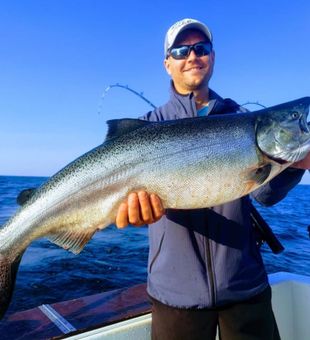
{"x":188,"y":101}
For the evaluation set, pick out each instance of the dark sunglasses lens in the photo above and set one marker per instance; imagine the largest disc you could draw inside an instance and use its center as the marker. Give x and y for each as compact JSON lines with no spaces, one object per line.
{"x":179,"y":52}
{"x":182,"y":52}
{"x":202,"y":49}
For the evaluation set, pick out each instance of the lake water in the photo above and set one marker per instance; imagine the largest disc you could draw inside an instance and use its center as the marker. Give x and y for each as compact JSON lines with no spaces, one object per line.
{"x":118,"y":258}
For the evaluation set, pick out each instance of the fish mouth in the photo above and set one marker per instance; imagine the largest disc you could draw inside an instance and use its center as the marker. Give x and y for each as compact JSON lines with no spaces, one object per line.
{"x":308,"y":117}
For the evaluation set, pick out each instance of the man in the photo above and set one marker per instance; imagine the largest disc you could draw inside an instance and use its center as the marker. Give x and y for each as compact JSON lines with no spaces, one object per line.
{"x":205,"y":269}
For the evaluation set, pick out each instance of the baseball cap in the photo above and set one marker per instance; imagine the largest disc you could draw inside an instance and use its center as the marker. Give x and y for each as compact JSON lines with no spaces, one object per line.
{"x":181,"y":26}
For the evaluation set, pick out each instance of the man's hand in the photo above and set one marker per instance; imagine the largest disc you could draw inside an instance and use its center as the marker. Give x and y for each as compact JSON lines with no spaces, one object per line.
{"x":303,"y":164}
{"x":140,"y":208}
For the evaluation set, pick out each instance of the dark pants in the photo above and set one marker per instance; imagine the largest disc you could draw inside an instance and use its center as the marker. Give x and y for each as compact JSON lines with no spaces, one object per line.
{"x":247,"y":320}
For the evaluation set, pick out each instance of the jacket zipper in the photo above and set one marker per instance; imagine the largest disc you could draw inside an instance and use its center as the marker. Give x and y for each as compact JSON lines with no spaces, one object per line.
{"x":157,"y":253}
{"x":210,"y":272}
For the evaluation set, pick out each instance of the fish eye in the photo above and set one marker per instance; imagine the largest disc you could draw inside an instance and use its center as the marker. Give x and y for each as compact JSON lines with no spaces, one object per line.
{"x":295,"y":115}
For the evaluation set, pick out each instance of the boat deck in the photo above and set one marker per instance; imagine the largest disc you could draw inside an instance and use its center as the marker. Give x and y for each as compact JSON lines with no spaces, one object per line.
{"x":125,"y":314}
{"x":75,"y":316}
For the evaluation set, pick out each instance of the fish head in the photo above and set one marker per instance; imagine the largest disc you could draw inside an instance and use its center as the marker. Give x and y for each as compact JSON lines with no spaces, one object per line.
{"x":283,"y":131}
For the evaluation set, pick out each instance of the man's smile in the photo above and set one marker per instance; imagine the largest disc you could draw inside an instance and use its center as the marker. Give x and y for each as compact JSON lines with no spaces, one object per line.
{"x":193,"y":68}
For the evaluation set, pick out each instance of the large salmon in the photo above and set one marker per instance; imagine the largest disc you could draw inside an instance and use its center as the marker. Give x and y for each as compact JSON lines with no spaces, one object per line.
{"x":190,"y":163}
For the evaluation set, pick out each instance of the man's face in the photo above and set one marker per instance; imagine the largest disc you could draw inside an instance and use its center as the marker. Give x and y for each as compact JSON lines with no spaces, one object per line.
{"x":192,"y":73}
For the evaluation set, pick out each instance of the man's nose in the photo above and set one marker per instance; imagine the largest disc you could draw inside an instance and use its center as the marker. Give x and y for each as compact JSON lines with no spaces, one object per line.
{"x":192,"y":55}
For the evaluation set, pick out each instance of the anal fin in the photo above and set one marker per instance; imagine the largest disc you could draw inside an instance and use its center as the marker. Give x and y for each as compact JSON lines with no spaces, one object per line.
{"x":73,"y":241}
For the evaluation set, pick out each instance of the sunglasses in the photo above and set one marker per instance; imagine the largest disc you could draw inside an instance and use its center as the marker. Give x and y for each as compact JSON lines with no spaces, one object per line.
{"x":183,"y":51}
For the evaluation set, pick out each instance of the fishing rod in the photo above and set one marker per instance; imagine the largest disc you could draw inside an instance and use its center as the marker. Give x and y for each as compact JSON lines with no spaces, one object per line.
{"x":126,"y":87}
{"x":254,"y":103}
{"x":140,"y":95}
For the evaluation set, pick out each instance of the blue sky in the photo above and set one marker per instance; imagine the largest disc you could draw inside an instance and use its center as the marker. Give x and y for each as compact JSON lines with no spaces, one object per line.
{"x":58,"y":56}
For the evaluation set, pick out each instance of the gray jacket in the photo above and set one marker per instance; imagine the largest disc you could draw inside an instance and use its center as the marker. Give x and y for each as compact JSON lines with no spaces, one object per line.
{"x":208,"y":257}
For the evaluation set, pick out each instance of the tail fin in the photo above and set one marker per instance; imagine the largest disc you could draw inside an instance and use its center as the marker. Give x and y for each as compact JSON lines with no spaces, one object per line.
{"x":8,"y":272}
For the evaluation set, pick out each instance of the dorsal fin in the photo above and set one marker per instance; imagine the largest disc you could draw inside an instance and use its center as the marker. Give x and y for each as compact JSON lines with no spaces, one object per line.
{"x":119,"y":127}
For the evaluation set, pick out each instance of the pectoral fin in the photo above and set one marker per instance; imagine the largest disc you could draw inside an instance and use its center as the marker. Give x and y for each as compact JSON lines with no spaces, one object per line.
{"x":257,"y":177}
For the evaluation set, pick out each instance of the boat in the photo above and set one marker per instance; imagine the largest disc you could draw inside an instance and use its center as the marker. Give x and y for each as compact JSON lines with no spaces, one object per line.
{"x":126,"y":314}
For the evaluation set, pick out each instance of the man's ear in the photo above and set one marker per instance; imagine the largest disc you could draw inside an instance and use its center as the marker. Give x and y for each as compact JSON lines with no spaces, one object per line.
{"x":213,"y":56}
{"x":167,"y":66}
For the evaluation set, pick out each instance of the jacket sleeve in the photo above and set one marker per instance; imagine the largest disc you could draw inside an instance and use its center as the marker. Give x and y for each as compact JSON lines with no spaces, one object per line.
{"x":153,"y":116}
{"x":274,"y":191}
